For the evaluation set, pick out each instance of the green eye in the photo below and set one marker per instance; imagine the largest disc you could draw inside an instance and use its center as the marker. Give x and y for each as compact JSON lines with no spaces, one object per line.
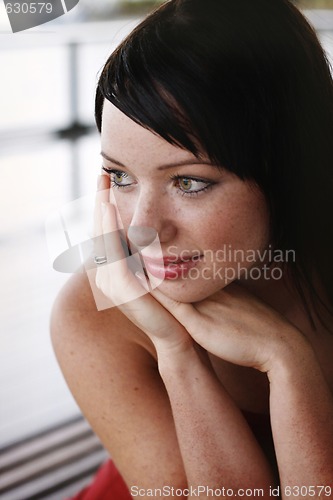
{"x":190,"y":186}
{"x":118,"y":177}
{"x":185,"y":184}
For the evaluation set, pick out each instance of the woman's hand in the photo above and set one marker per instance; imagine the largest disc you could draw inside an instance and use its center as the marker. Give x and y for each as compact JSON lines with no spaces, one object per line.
{"x":130,"y":293}
{"x":236,"y":326}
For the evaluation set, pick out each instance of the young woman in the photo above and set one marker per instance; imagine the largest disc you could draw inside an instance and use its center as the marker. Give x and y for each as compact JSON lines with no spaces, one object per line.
{"x":216,"y":123}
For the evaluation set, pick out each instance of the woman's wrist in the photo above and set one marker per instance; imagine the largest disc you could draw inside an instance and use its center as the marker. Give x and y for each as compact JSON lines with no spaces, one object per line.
{"x":176,"y":358}
{"x":293,"y":354}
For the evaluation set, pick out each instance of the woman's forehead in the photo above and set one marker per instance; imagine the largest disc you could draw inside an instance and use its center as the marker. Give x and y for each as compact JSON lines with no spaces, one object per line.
{"x":127,"y":141}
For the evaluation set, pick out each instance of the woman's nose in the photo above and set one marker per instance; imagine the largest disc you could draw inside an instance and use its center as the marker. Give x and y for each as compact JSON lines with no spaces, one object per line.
{"x":141,"y":236}
{"x":150,"y":219}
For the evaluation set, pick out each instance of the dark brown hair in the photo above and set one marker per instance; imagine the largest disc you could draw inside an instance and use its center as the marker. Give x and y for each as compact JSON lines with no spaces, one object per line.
{"x":248,"y":82}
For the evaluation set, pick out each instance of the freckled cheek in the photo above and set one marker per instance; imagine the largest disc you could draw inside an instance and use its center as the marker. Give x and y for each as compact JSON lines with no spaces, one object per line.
{"x":125,"y":209}
{"x":214,"y":235}
{"x":243,"y":226}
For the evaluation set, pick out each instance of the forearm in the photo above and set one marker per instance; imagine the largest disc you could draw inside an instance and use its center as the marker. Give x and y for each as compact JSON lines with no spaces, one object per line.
{"x":216,"y":443}
{"x":301,"y":408}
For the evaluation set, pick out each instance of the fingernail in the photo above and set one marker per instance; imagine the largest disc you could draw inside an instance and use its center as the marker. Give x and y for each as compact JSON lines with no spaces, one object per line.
{"x":103,"y":207}
{"x":140,"y":276}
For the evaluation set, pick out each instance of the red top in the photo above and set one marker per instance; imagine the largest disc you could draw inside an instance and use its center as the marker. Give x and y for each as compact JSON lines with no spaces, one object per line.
{"x":107,"y":485}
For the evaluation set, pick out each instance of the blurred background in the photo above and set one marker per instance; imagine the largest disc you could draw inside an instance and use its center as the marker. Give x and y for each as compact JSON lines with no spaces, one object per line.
{"x":49,"y":155}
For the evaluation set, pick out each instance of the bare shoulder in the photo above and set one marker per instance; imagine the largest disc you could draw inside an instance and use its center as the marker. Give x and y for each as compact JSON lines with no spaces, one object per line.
{"x":75,"y":314}
{"x":111,"y":370}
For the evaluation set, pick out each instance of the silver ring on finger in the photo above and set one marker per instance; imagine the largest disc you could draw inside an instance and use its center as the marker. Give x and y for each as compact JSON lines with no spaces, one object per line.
{"x":100,"y":259}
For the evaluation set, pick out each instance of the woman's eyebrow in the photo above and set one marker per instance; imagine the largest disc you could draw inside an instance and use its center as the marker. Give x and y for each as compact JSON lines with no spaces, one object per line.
{"x":194,"y":161}
{"x":112,"y":160}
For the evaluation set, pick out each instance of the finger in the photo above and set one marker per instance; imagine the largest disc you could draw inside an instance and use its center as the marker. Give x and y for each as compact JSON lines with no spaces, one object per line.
{"x":103,"y":182}
{"x":179,"y":310}
{"x":117,"y":278}
{"x":115,"y":247}
{"x":102,"y":195}
{"x":143,"y":280}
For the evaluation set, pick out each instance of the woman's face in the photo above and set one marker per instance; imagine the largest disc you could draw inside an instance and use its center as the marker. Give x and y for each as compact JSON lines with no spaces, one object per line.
{"x":208,"y":221}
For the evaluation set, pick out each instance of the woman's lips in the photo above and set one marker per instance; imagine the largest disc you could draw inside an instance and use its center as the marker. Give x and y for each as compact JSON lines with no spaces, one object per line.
{"x":169,"y":267}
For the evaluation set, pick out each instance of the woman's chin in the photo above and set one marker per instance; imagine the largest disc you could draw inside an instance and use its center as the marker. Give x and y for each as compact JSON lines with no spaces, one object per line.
{"x":189,"y":291}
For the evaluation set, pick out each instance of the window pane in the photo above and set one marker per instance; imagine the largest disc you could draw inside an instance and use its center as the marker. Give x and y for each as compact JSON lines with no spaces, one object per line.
{"x":32,"y":392}
{"x":33,"y":183}
{"x":34,"y":88}
{"x":91,"y":59}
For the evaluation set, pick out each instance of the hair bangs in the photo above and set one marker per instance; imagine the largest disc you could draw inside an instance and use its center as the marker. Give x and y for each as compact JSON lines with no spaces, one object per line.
{"x":130,"y":83}
{"x":136,"y":79}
